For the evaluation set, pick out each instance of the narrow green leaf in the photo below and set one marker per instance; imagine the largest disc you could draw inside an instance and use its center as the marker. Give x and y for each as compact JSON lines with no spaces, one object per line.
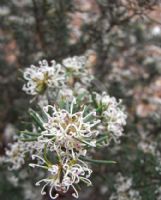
{"x":28,"y":139}
{"x":36,"y":118}
{"x":102,"y":139}
{"x":29,"y":133}
{"x":45,"y":156}
{"x":61,"y":104}
{"x":98,"y":161}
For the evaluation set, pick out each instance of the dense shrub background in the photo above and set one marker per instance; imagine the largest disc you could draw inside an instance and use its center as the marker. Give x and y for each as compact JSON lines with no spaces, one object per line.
{"x":122,"y":39}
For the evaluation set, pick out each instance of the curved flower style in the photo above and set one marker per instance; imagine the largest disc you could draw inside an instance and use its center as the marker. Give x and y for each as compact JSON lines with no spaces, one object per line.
{"x":113,"y":115}
{"x":69,"y":132}
{"x":62,"y":176}
{"x":42,"y":77}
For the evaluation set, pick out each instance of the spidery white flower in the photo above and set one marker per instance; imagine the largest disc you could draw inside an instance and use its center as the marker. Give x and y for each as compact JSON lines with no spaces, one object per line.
{"x":124,"y":189}
{"x":113,"y":115}
{"x":42,"y":77}
{"x":78,"y":91}
{"x":16,"y":154}
{"x":75,"y":64}
{"x":62,"y":176}
{"x":76,"y":68}
{"x":69,"y":132}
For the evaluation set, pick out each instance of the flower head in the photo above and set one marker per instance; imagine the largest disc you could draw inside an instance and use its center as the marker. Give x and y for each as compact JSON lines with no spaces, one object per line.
{"x":113,"y":115}
{"x":63,"y":175}
{"x":75,"y":64}
{"x":68,"y":131}
{"x":16,"y":155}
{"x":43,"y":77}
{"x":76,"y":68}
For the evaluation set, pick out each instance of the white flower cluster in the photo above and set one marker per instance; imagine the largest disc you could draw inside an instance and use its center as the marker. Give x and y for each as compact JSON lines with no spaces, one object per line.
{"x":75,"y":64}
{"x":63,"y":175}
{"x":70,"y":132}
{"x":124,"y":190}
{"x":112,"y":114}
{"x":50,"y":78}
{"x":73,"y":121}
{"x":15,"y":154}
{"x":43,"y":77}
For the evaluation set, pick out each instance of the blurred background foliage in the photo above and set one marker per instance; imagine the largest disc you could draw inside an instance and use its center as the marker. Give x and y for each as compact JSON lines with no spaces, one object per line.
{"x":122,"y":40}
